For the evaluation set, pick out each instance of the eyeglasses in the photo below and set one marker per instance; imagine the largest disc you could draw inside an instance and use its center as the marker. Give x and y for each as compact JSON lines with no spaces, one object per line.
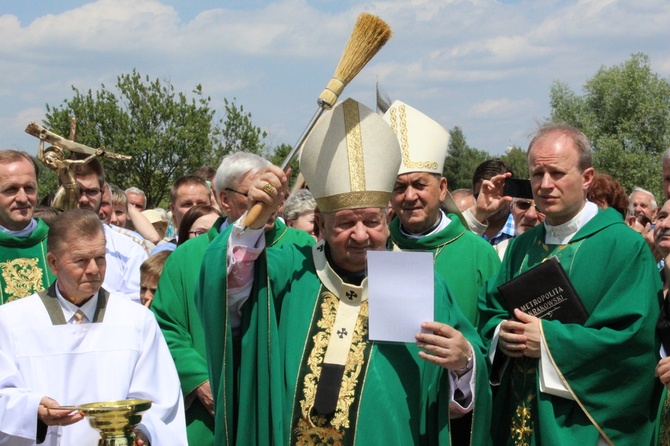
{"x":244,"y":194}
{"x":524,"y":205}
{"x":89,"y":192}
{"x":197,"y":232}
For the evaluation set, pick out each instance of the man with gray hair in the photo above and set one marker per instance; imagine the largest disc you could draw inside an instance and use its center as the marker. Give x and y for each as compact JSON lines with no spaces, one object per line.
{"x":174,"y":304}
{"x":137,"y":198}
{"x":642,"y":202}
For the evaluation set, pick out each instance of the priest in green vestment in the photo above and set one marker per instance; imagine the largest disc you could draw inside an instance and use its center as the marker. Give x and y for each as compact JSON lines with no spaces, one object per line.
{"x":590,"y":383}
{"x":23,"y":239}
{"x":174,"y":305}
{"x":286,"y":328}
{"x":427,"y":219}
{"x":464,"y":260}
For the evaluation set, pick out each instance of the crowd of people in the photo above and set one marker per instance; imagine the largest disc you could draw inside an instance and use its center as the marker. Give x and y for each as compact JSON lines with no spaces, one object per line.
{"x":252,"y":328}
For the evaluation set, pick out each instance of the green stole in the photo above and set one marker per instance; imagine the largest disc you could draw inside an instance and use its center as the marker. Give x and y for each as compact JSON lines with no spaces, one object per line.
{"x":388,"y":394}
{"x":23,"y":264}
{"x":522,"y":406}
{"x":316,"y":377}
{"x":176,"y":314}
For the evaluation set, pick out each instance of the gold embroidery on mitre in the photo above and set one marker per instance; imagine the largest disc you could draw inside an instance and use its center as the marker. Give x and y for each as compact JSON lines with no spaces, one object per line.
{"x":398,"y":119}
{"x":22,"y":277}
{"x":353,"y":200}
{"x":352,"y":126}
{"x":315,"y":428}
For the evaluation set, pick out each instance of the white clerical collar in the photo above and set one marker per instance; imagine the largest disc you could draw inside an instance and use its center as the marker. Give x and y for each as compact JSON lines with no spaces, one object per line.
{"x":69,"y":309}
{"x":25,"y":232}
{"x":563,"y":233}
{"x":442,"y":223}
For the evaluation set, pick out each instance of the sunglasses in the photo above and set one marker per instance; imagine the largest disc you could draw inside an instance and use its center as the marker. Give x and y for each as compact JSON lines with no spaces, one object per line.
{"x":525,"y":205}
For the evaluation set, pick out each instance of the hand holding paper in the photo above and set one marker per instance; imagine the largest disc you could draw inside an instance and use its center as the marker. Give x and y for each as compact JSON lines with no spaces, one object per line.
{"x":443,"y":345}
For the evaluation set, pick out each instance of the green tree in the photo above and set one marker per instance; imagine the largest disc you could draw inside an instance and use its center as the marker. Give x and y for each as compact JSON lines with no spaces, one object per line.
{"x":515,"y":158}
{"x":47,"y":184}
{"x":461,"y":161}
{"x":168,"y":133}
{"x":238,"y":133}
{"x":625,"y":112}
{"x":278,"y":157}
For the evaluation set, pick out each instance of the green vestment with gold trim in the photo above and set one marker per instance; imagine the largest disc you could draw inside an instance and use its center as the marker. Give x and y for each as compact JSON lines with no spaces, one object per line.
{"x":175,"y":311}
{"x":388,"y":395}
{"x":23,"y":264}
{"x":607,"y":364}
{"x":464,"y":260}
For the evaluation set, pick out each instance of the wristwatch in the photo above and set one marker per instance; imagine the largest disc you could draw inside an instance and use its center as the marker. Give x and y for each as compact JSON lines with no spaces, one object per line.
{"x":469,"y":364}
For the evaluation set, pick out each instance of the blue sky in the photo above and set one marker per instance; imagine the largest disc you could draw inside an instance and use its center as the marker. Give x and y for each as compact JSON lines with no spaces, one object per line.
{"x":483,"y":65}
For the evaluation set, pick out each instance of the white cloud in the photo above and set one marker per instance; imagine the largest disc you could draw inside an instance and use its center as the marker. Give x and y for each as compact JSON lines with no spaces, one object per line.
{"x":500,"y":107}
{"x":480,"y":64}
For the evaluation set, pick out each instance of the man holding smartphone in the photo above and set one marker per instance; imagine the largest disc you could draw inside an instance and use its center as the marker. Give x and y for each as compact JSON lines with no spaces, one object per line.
{"x":490,"y":217}
{"x":526,"y":215}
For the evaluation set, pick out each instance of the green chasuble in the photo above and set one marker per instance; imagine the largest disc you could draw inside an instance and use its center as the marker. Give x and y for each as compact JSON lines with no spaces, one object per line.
{"x":607,"y":364}
{"x":387,"y":394}
{"x":176,"y":314}
{"x":464,"y":260}
{"x":23,"y":264}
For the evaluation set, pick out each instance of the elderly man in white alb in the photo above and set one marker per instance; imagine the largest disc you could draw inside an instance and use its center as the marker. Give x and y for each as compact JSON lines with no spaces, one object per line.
{"x":76,"y":343}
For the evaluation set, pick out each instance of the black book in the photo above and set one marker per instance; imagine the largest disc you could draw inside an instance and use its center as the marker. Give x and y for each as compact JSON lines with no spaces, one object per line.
{"x":546,"y":292}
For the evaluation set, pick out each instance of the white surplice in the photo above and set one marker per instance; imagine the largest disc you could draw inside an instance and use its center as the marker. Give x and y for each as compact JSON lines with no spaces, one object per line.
{"x":123,"y":357}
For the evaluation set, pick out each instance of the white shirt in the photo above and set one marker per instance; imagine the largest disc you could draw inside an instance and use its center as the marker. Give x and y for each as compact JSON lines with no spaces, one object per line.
{"x":69,"y":309}
{"x":124,"y":258}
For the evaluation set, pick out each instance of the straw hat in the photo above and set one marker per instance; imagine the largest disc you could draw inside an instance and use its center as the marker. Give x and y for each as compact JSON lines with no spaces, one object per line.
{"x":153,"y":216}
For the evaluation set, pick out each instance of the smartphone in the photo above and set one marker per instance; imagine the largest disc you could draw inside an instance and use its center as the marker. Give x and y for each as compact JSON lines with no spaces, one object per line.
{"x":518,"y":188}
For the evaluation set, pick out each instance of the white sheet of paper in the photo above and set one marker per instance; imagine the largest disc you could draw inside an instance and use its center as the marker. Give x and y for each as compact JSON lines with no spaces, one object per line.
{"x":400,"y":294}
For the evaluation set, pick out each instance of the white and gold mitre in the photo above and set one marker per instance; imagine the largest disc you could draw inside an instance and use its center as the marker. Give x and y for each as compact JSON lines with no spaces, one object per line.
{"x":350,"y":159}
{"x":423,"y":142}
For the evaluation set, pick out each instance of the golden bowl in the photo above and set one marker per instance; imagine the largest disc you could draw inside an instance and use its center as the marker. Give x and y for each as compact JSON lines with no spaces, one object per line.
{"x":115,"y":420}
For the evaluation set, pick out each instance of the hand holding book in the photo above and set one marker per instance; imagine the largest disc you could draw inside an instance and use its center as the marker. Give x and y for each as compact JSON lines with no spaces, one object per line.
{"x":545,"y":292}
{"x":520,"y":337}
